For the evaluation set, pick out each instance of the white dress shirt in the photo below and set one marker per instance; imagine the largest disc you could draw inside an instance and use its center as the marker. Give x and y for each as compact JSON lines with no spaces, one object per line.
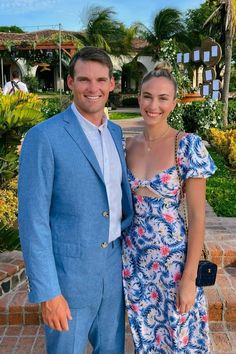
{"x":8,"y":87}
{"x":106,"y":153}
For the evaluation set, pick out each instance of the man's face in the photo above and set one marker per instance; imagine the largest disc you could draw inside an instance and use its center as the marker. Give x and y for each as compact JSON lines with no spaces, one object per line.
{"x":91,"y":85}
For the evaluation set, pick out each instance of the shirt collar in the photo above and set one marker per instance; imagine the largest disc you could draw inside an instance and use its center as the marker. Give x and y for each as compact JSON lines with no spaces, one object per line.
{"x":86,"y":124}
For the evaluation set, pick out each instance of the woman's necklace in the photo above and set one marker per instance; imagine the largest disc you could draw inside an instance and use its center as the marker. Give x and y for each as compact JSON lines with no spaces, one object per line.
{"x":150,"y":141}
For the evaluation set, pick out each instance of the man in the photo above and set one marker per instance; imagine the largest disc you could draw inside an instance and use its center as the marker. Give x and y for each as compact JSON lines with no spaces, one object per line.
{"x":14,"y":85}
{"x":74,"y":199}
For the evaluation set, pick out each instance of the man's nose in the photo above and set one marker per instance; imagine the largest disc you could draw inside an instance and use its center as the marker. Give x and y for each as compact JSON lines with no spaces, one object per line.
{"x":93,"y":86}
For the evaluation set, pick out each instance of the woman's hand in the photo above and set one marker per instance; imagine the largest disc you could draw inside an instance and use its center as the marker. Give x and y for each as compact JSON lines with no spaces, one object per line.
{"x":186,"y":294}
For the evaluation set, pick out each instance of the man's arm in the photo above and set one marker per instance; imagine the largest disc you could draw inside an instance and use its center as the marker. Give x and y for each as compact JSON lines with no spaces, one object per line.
{"x":36,"y":173}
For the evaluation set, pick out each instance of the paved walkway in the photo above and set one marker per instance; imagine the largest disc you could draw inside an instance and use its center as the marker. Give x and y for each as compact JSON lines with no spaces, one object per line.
{"x":29,"y":339}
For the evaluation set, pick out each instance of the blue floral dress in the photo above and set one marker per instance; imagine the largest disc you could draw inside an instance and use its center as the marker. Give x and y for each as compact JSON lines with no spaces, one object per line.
{"x":154,"y":250}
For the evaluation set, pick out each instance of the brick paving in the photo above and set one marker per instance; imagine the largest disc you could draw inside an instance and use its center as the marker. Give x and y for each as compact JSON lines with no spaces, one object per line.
{"x":21,"y":331}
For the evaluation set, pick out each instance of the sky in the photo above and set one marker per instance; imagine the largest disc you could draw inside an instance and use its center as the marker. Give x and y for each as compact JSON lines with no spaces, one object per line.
{"x":34,"y":15}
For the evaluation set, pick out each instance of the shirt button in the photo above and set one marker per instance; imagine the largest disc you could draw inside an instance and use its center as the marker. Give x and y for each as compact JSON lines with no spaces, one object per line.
{"x":105,"y":214}
{"x":104,"y":244}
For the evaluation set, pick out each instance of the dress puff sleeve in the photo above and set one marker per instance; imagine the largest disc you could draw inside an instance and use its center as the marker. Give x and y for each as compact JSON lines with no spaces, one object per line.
{"x":193,"y":158}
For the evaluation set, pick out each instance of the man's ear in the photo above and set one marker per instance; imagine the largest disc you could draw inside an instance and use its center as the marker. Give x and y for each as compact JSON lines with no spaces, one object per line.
{"x":70,"y":82}
{"x":112,"y":84}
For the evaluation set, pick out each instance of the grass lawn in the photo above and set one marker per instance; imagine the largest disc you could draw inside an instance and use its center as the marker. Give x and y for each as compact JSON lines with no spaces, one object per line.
{"x":221,"y":187}
{"x":123,"y":115}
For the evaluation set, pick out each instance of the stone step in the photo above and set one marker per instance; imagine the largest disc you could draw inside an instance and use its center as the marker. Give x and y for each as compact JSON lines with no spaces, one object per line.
{"x":222,"y":297}
{"x":15,"y":308}
{"x":12,"y":272}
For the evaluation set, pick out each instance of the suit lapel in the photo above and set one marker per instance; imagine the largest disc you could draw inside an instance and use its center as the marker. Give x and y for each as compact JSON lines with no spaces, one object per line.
{"x":74,"y":129}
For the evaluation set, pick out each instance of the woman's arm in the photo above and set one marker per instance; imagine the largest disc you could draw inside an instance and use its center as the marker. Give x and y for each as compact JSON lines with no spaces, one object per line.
{"x":195,"y":197}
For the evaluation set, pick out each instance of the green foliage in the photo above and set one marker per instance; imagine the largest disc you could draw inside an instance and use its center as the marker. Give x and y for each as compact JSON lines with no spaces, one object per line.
{"x":168,"y":23}
{"x":123,"y":115}
{"x":9,"y":235}
{"x":175,"y":119}
{"x":9,"y":239}
{"x":52,"y":105}
{"x":130,"y":102}
{"x":8,"y":204}
{"x":168,"y":53}
{"x":201,"y":115}
{"x":32,"y":83}
{"x":221,"y":187}
{"x":18,"y":113}
{"x":232,"y":111}
{"x":8,"y":164}
{"x":11,"y":29}
{"x":195,"y":19}
{"x":104,"y":31}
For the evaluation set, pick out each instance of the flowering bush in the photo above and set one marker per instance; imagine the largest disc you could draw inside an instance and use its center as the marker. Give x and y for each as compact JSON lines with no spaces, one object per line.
{"x":232,"y":111}
{"x":175,"y":119}
{"x":202,"y":115}
{"x":8,"y":204}
{"x":168,"y":52}
{"x":225,"y":143}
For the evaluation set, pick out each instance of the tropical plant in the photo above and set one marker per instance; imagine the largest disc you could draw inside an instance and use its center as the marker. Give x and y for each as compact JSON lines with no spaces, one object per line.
{"x":18,"y":113}
{"x":104,"y":31}
{"x":200,"y":116}
{"x":168,"y":23}
{"x":9,"y":239}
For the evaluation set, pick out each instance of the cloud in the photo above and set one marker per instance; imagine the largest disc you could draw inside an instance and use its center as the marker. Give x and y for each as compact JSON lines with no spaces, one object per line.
{"x":16,"y":7}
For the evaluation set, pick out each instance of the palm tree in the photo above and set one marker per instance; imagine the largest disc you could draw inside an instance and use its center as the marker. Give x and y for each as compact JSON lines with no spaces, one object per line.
{"x":104,"y":31}
{"x":226,"y":14}
{"x":168,"y":23}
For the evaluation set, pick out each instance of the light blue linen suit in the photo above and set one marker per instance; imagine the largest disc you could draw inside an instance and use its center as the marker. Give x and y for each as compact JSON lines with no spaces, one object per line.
{"x":64,"y":222}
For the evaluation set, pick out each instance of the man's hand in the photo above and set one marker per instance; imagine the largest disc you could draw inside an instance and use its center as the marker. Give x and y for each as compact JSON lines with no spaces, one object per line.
{"x":56,"y":313}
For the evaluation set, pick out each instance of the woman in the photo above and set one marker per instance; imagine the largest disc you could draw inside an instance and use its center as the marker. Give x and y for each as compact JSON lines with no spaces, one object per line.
{"x":167,"y":312}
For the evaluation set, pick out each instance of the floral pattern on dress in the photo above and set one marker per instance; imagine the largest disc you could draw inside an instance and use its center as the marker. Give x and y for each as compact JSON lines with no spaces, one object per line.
{"x":154,"y":251}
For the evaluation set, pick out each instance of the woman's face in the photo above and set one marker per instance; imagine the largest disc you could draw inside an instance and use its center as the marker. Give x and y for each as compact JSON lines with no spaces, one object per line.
{"x":157,"y":100}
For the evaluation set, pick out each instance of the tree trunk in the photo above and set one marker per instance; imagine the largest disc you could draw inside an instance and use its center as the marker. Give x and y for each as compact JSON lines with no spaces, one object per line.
{"x":228,"y":58}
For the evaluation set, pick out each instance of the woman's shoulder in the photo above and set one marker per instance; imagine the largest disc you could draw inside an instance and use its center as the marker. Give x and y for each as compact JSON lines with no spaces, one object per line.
{"x":188,"y":139}
{"x":131,"y":142}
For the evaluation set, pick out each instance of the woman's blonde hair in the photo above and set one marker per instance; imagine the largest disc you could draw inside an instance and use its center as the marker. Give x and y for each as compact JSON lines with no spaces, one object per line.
{"x":161,"y":69}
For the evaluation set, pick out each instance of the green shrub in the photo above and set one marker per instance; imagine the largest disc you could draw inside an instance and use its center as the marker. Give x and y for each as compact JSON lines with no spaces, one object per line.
{"x":9,"y":239}
{"x":130,"y":102}
{"x":200,"y":116}
{"x":221,"y":187}
{"x":232,"y":111}
{"x":32,"y":83}
{"x":18,"y":113}
{"x":53,"y":105}
{"x":8,"y":204}
{"x":175,"y":119}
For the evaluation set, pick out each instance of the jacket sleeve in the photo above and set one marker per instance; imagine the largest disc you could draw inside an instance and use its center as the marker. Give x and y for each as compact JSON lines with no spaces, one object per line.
{"x":36,"y":174}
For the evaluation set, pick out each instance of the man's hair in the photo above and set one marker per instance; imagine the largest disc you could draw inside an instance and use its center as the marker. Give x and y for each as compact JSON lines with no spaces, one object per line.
{"x":15,"y":74}
{"x":91,"y":54}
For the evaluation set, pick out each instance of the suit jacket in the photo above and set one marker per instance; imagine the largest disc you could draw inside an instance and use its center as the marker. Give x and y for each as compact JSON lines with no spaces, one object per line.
{"x":63,"y":209}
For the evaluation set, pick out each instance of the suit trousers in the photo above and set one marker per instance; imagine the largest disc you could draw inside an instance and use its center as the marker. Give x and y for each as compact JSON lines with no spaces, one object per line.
{"x":102,"y":323}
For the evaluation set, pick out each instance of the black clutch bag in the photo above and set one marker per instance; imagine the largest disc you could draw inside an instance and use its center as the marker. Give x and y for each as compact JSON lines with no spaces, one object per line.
{"x":206,"y":273}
